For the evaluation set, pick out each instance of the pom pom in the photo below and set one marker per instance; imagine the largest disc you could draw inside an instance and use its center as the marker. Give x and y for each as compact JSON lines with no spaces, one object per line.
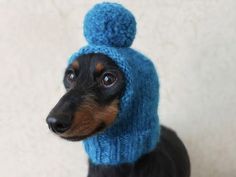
{"x":109,"y":24}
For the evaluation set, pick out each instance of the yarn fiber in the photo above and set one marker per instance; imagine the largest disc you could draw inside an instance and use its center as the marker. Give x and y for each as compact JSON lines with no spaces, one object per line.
{"x":136,"y":130}
{"x":109,"y":24}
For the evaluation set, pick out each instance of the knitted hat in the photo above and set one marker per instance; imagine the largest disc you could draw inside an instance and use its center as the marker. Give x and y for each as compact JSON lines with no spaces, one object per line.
{"x":110,"y":29}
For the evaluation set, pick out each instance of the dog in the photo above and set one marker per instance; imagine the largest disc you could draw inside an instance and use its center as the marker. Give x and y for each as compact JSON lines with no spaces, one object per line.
{"x":94,"y":86}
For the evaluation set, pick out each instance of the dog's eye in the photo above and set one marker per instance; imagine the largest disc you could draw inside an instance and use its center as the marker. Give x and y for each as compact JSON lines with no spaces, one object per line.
{"x":108,"y":79}
{"x":71,"y":76}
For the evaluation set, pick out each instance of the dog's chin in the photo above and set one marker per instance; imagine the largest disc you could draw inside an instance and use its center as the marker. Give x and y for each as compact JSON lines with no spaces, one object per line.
{"x":75,"y":138}
{"x":99,"y":129}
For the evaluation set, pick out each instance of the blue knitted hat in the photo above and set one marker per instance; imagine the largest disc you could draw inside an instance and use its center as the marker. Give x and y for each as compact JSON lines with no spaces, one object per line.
{"x":110,"y":29}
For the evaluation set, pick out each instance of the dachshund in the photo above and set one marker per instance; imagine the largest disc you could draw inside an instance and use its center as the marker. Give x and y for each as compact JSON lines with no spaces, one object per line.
{"x":94,"y":85}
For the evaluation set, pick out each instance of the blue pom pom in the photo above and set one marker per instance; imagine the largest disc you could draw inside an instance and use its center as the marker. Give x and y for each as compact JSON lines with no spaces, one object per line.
{"x":109,"y":24}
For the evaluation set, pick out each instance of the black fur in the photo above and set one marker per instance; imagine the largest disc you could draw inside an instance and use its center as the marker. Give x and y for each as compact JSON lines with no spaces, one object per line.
{"x":88,"y":80}
{"x":169,"y":159}
{"x":86,"y":83}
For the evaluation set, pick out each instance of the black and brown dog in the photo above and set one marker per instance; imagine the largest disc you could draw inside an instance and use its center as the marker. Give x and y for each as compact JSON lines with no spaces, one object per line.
{"x":94,"y":85}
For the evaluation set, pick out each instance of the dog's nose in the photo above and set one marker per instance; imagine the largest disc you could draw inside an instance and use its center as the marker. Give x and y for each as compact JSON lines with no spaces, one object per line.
{"x":58,"y":125}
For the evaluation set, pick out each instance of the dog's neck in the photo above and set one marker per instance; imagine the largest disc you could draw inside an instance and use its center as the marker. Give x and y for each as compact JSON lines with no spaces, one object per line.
{"x":111,"y":148}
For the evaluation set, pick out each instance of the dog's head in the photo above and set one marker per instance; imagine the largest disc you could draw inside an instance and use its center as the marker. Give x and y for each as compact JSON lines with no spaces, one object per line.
{"x":94,"y":85}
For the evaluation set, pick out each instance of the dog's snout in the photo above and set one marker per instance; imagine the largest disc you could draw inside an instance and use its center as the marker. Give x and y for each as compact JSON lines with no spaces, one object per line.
{"x":58,"y":125}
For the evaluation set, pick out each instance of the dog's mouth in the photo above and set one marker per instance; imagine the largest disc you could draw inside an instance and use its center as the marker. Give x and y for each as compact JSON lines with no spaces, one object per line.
{"x":101,"y":127}
{"x":74,"y":138}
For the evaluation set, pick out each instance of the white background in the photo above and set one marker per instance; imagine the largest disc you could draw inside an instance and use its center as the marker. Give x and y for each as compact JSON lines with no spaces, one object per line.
{"x":193,"y":45}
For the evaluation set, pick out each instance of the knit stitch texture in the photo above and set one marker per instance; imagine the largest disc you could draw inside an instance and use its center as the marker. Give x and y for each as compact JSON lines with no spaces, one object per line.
{"x":136,"y":130}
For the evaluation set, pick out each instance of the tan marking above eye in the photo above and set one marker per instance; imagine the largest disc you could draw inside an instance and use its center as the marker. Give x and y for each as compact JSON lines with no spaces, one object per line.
{"x":99,"y":67}
{"x":90,"y":116}
{"x":75,"y":65}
